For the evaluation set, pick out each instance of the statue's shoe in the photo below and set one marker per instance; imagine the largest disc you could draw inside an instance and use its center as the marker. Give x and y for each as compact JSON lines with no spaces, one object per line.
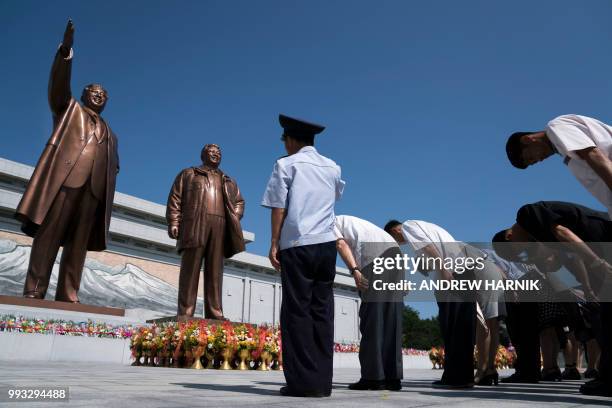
{"x":220,"y":318}
{"x":68,"y":301}
{"x":33,"y":295}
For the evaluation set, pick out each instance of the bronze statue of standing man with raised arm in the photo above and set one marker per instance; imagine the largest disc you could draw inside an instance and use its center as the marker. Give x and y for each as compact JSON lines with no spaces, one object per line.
{"x":69,"y":198}
{"x":203,"y":213}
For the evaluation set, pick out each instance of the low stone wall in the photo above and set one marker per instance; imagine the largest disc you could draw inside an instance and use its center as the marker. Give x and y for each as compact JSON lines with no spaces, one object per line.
{"x":43,"y":347}
{"x":351,"y":360}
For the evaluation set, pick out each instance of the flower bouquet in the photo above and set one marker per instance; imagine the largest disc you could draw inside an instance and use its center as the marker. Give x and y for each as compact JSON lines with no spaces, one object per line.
{"x":245,"y":342}
{"x":226,"y":343}
{"x":277,"y":349}
{"x":199,"y":348}
{"x":436,"y":356}
{"x":263,"y":347}
{"x":136,"y":345}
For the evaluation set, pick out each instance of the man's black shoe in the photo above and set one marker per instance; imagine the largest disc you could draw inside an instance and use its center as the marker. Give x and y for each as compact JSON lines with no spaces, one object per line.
{"x":393,"y":385}
{"x":571,"y":373}
{"x":367,"y":385}
{"x":553,"y":374}
{"x":596,"y":387}
{"x":288,"y":392}
{"x":517,"y":379}
{"x":441,"y":384}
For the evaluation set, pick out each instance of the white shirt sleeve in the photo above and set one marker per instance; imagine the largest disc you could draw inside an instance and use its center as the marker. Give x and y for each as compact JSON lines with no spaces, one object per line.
{"x":338,"y":233}
{"x":277,"y":189}
{"x":339,"y":185}
{"x":339,"y":226}
{"x":415,"y":235}
{"x":569,"y":135}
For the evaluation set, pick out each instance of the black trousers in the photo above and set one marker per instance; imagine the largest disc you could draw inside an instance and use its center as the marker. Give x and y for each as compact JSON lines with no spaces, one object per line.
{"x":605,"y":363}
{"x":380,"y":323}
{"x":307,"y":315}
{"x":380,"y":349}
{"x":458,"y":327}
{"x":522,"y":324}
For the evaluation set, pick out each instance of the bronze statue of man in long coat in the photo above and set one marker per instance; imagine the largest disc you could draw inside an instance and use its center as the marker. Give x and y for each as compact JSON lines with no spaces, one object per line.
{"x":68,"y":200}
{"x":203,"y":213}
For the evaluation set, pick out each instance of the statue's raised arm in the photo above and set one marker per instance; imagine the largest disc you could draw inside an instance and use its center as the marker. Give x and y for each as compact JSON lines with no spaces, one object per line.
{"x":59,"y":80}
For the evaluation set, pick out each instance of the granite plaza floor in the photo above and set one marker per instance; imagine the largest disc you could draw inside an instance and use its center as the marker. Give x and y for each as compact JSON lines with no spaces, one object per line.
{"x":116,"y":386}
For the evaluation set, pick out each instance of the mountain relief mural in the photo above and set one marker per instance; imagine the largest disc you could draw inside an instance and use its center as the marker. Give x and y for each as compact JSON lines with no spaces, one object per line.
{"x":123,"y":286}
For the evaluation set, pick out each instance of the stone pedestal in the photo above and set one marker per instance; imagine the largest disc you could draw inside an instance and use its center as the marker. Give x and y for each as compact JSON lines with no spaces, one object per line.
{"x":169,"y":319}
{"x":52,"y":304}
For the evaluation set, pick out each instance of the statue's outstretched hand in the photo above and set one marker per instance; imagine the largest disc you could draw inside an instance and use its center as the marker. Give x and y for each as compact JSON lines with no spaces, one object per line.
{"x":68,"y":36}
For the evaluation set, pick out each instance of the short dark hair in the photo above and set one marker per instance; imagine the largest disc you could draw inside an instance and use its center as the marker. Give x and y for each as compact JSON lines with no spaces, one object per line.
{"x":206,"y":147}
{"x":391,"y":224}
{"x":514,"y":149}
{"x":501,"y":236}
{"x":501,"y":246}
{"x":307,"y":139}
{"x":88,"y":87}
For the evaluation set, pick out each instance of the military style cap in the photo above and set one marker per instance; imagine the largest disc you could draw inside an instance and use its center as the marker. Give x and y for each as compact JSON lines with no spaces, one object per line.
{"x":298,"y":127}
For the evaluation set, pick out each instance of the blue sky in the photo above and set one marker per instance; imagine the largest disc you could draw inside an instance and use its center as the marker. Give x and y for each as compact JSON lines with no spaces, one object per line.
{"x":418,"y":97}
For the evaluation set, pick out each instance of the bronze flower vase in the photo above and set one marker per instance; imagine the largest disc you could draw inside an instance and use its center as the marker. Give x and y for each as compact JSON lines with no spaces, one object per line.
{"x":210,"y":358}
{"x":263,"y":358}
{"x":226,"y":354}
{"x":243,"y":354}
{"x":137,"y":357}
{"x":197,"y":354}
{"x":176,"y":362}
{"x":188,"y":358}
{"x":152,"y":356}
{"x":278,"y":362}
{"x":161,"y":359}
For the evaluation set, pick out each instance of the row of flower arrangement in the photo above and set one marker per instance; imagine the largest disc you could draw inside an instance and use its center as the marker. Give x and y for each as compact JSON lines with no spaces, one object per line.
{"x":210,"y":344}
{"x":20,"y":324}
{"x":354,"y":348}
{"x":201,"y":343}
{"x":505,"y":357}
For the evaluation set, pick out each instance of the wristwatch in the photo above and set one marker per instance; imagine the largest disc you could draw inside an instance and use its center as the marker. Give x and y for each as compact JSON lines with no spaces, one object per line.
{"x":353,"y":269}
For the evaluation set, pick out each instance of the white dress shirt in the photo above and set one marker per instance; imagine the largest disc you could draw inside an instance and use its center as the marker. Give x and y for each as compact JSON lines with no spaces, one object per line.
{"x":366,"y":240}
{"x":570,"y":133}
{"x":307,"y":185}
{"x":420,"y":234}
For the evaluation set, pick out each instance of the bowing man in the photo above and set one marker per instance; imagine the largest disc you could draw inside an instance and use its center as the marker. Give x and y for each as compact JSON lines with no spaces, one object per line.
{"x":586,"y":235}
{"x":585,"y":145}
{"x":380,"y":314}
{"x":457,"y":315}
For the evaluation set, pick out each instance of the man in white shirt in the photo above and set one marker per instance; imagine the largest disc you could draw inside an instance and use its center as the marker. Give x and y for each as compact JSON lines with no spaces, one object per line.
{"x":584,"y":143}
{"x":302,"y":191}
{"x":359,"y":243}
{"x":457,"y":317}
